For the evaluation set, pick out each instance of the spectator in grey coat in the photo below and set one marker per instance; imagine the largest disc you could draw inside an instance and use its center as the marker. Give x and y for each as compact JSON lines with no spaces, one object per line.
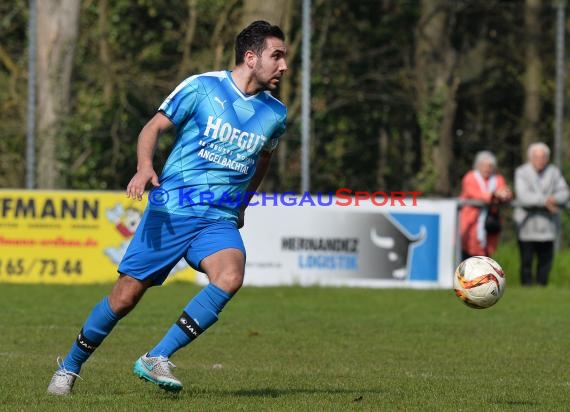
{"x":540,"y":193}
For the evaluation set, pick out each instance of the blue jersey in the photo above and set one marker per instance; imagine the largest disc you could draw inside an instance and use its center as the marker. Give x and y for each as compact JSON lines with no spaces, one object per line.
{"x":220,"y":133}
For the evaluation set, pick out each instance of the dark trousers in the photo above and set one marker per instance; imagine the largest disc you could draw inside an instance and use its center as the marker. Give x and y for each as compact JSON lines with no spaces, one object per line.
{"x":544,"y":252}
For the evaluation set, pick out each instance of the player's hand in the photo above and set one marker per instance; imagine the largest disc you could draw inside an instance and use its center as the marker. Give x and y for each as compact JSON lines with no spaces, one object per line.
{"x":135,"y":188}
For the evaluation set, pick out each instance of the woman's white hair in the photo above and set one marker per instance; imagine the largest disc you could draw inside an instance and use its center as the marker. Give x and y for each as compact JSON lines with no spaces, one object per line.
{"x":538,"y":146}
{"x":484,"y":156}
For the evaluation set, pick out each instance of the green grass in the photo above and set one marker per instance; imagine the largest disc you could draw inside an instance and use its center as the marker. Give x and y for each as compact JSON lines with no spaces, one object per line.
{"x":299,"y":349}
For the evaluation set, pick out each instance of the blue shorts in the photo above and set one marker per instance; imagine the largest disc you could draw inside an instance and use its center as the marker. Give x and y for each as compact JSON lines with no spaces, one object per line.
{"x":162,"y":239}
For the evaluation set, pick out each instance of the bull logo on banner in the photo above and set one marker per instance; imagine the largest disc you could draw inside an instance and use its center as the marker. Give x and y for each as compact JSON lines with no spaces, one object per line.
{"x":394,"y":245}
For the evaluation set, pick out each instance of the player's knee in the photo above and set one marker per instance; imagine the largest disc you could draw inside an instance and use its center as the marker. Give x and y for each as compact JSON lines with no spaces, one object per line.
{"x":235,"y":281}
{"x":230,"y":281}
{"x":123,"y":303}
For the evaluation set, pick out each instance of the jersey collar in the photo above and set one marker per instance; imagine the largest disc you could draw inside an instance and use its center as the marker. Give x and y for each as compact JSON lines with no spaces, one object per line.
{"x":238,"y":91}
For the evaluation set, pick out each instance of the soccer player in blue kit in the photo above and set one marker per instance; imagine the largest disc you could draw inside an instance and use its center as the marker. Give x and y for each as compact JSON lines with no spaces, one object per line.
{"x":227,"y":125}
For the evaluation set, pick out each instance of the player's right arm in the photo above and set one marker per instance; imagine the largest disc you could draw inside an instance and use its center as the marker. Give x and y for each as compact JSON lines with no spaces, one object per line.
{"x":146,"y":145}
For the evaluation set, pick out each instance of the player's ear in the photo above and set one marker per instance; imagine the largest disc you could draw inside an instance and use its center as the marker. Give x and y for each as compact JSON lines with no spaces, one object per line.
{"x":250,"y":58}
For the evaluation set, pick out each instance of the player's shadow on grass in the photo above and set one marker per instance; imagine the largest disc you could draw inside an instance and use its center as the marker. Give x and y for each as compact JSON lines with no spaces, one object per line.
{"x":514,"y":403}
{"x":276,"y":393}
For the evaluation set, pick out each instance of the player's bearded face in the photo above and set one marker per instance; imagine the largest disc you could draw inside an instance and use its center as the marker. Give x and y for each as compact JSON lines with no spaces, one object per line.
{"x":271,"y":65}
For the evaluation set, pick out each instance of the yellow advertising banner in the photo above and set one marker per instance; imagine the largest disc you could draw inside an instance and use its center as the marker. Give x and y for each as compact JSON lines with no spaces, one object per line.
{"x":68,"y":237}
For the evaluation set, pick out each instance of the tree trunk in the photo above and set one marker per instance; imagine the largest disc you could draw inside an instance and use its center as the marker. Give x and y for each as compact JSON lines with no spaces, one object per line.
{"x":218,"y":41}
{"x":436,"y":86}
{"x":286,"y":94}
{"x":279,"y":13}
{"x":383,"y":160}
{"x":56,"y":38}
{"x":186,"y":63}
{"x":533,"y":75}
{"x":105,"y":53}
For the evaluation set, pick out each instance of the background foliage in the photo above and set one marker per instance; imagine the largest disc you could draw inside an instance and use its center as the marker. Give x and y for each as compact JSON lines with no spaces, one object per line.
{"x":385,"y":76}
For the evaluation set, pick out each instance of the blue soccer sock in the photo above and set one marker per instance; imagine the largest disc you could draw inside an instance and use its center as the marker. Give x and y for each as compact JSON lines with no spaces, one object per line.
{"x":200,"y":313}
{"x":98,"y":325}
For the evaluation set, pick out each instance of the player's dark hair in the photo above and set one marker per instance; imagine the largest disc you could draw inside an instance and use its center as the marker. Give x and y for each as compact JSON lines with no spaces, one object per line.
{"x":253,"y":38}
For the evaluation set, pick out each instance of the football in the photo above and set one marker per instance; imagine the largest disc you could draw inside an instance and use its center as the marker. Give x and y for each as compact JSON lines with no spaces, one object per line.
{"x":479,"y":282}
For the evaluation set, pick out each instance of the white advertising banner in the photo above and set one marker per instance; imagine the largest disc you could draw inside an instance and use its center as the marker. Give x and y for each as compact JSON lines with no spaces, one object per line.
{"x":365,"y":245}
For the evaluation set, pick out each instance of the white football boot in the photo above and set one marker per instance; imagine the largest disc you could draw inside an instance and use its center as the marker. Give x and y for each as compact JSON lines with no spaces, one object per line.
{"x":62,"y":381}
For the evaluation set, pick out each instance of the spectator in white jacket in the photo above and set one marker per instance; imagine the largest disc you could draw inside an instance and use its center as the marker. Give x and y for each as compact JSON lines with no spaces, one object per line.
{"x":540,"y":193}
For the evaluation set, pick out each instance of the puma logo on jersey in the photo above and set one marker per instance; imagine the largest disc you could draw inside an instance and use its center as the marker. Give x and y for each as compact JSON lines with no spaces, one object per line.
{"x":218,"y":100}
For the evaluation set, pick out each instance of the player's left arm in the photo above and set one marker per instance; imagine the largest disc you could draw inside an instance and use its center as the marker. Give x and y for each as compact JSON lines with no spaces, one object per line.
{"x":260,"y":171}
{"x":262,"y":165}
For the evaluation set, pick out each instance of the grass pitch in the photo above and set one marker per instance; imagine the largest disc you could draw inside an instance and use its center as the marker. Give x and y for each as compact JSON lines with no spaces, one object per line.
{"x":299,"y":349}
